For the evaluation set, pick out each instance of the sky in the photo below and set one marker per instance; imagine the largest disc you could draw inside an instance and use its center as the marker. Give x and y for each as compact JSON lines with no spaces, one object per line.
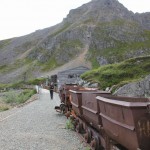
{"x":21,"y":17}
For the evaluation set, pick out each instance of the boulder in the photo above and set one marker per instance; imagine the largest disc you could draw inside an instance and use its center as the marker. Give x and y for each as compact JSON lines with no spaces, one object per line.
{"x":136,"y":89}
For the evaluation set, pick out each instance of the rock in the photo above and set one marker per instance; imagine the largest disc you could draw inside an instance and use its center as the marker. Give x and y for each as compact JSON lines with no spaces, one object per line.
{"x":102,"y":61}
{"x":136,"y":89}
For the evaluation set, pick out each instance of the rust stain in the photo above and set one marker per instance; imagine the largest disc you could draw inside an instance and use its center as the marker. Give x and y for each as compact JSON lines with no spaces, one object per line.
{"x":89,"y":104}
{"x":144,"y":128}
{"x":148,"y":128}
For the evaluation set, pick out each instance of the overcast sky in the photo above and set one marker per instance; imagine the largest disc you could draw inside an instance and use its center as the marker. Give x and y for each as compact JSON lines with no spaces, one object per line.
{"x":21,"y":17}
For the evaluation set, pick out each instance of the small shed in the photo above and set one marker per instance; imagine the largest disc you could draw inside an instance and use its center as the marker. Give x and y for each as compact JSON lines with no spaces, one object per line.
{"x":70,"y":76}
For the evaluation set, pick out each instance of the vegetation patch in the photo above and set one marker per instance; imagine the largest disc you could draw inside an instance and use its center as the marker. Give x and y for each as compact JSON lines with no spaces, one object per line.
{"x":119,"y":40}
{"x":3,"y":108}
{"x":4,"y":69}
{"x":89,"y":21}
{"x":70,"y":48}
{"x":4,"y":43}
{"x":17,"y":93}
{"x":72,"y":44}
{"x":36,"y":81}
{"x":25,"y":46}
{"x":15,"y":98}
{"x":61,"y":30}
{"x":119,"y":73}
{"x":70,"y":124}
{"x":21,"y":84}
{"x":16,"y":85}
{"x":50,"y":64}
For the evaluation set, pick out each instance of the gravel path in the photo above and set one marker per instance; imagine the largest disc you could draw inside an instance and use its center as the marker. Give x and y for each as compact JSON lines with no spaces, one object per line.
{"x":37,"y":126}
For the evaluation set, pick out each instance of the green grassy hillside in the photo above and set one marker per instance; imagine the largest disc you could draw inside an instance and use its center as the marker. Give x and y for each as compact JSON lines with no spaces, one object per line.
{"x":120,"y":73}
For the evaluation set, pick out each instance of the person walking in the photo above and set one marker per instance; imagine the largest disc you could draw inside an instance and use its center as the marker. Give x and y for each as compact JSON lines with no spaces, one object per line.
{"x":51,"y":90}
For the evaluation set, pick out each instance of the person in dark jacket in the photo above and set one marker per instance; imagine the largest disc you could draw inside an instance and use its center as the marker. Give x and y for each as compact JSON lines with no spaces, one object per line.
{"x":51,"y":89}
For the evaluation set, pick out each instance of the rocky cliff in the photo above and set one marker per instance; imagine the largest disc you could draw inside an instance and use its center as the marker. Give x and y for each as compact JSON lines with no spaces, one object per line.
{"x":135,"y":89}
{"x":109,"y":31}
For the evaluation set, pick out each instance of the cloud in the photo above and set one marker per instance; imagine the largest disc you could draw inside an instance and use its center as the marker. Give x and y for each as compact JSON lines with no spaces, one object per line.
{"x":20,"y":17}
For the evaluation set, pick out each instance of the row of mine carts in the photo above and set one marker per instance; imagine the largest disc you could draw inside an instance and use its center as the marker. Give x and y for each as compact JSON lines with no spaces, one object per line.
{"x":107,"y":122}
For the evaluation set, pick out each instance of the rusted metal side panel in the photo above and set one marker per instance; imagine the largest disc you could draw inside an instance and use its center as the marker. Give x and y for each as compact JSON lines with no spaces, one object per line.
{"x":76,"y":101}
{"x":76,"y":98}
{"x":117,"y":113}
{"x":90,"y":108}
{"x":125,"y":121}
{"x":122,"y":135}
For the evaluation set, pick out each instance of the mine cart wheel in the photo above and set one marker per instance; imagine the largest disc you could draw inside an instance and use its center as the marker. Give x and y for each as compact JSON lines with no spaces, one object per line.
{"x":63,"y":108}
{"x":79,"y":127}
{"x":76,"y":122}
{"x":88,"y":136}
{"x":95,"y":143}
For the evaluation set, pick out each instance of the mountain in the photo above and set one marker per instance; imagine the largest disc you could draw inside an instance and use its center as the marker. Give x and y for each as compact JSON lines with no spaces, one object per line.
{"x":103,"y":30}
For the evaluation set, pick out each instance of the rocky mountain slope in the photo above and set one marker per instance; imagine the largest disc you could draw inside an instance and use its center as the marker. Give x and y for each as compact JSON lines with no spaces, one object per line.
{"x":103,"y":30}
{"x":135,"y":89}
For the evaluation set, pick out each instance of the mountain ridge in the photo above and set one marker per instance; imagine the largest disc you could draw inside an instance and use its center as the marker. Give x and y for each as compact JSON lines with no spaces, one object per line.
{"x":110,"y":31}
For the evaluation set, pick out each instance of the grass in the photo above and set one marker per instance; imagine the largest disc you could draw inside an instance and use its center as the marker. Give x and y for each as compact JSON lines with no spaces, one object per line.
{"x":87,"y":148}
{"x":89,"y":21}
{"x":21,"y":84}
{"x":7,"y":68}
{"x":71,"y":44}
{"x":128,"y":41}
{"x":69,"y":124}
{"x":15,"y":98}
{"x":3,"y":108}
{"x":4,"y":43}
{"x":16,"y":85}
{"x":69,"y":47}
{"x":18,"y":64}
{"x":35,"y":81}
{"x":119,"y":52}
{"x":25,"y":68}
{"x":119,"y":73}
{"x":50,"y":64}
{"x":15,"y":93}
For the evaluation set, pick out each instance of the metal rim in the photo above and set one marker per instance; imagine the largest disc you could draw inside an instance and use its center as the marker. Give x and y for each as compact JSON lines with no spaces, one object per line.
{"x":63,"y":108}
{"x":95,"y":143}
{"x":79,"y":127}
{"x":88,"y":135}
